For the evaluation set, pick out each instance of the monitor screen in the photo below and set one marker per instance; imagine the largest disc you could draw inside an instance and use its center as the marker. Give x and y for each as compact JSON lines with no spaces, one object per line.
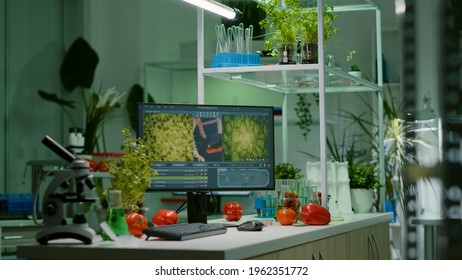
{"x":200,"y":148}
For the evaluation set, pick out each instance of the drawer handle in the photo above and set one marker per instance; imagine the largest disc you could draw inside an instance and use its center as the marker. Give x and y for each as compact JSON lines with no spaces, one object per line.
{"x":376,"y":245}
{"x":371,"y":246}
{"x":12,"y":237}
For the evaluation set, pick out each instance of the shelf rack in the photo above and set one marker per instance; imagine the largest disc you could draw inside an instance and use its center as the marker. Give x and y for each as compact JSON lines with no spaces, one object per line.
{"x":304,"y":78}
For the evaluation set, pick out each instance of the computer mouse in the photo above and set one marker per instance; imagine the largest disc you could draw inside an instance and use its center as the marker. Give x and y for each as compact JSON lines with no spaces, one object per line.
{"x":251,"y":226}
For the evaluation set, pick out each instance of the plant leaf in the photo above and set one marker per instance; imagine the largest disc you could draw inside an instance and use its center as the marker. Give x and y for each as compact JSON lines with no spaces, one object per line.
{"x":52,"y":97}
{"x":79,"y":65}
{"x":134,"y":96}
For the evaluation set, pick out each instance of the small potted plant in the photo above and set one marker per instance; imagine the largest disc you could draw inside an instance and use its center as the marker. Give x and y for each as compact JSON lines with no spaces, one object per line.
{"x":132,"y":173}
{"x":309,"y":31}
{"x":363,"y":181}
{"x":283,"y":26}
{"x":286,"y":171}
{"x":354,"y":68}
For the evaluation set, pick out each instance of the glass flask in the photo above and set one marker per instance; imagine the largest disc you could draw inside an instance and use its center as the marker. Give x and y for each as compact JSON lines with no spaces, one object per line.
{"x":116,"y":218}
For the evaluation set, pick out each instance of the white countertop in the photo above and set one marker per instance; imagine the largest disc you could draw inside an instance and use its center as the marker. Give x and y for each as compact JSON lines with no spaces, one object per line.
{"x":232,"y":245}
{"x":19,"y":223}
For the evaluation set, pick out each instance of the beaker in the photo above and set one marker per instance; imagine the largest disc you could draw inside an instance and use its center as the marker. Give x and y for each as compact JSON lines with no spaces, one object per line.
{"x":116,"y":218}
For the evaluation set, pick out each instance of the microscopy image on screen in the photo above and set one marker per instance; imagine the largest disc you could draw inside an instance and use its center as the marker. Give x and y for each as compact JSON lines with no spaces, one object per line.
{"x":208,"y":139}
{"x":169,"y":136}
{"x":245,"y":138}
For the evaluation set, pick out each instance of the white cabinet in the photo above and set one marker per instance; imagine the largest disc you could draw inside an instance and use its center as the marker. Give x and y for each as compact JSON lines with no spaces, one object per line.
{"x":303,"y":78}
{"x":369,"y":243}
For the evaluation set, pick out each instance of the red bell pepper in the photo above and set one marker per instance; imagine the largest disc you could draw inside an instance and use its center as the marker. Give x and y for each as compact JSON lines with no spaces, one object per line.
{"x":136,"y":223}
{"x":315,"y":214}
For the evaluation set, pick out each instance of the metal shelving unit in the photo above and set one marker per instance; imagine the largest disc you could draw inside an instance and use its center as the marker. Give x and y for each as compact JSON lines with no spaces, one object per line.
{"x":303,"y":78}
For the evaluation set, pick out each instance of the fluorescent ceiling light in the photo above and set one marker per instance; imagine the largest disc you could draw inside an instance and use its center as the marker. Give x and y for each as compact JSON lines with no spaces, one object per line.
{"x":400,"y":7}
{"x":214,"y":7}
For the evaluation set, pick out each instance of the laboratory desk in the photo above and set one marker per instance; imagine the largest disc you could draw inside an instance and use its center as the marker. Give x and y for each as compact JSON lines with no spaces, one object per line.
{"x":358,"y":236}
{"x":16,"y":232}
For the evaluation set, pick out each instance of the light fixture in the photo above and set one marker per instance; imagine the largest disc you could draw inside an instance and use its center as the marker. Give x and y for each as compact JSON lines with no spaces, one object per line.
{"x":215,"y":7}
{"x":400,"y":7}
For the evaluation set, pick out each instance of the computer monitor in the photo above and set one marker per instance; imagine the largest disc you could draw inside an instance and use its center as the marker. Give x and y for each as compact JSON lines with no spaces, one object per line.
{"x":203,"y":148}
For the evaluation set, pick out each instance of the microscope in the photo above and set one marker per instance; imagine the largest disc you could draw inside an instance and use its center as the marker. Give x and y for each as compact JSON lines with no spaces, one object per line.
{"x":57,"y":195}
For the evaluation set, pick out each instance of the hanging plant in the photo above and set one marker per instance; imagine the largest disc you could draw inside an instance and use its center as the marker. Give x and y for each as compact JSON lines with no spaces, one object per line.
{"x":303,"y":113}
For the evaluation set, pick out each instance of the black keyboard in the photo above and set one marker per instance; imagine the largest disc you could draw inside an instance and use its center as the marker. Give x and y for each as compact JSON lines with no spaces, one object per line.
{"x":184,"y":231}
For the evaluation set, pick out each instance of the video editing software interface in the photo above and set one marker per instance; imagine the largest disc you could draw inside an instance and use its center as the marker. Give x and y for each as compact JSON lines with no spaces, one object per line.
{"x":205,"y":147}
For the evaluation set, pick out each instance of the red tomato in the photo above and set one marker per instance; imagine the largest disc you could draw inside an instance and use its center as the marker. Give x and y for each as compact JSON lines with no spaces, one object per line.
{"x":292,"y":201}
{"x":232,"y":211}
{"x":93,"y":164}
{"x":315,"y":214}
{"x":103,"y":166}
{"x":136,"y":223}
{"x":286,"y":216}
{"x":165,"y":217}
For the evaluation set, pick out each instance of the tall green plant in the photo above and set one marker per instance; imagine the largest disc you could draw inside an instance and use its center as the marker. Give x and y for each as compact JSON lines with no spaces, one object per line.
{"x":398,"y":145}
{"x":363,"y":176}
{"x":341,"y":151}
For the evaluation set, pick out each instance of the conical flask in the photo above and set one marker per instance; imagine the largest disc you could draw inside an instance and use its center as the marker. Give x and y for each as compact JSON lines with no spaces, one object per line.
{"x":116,"y":219}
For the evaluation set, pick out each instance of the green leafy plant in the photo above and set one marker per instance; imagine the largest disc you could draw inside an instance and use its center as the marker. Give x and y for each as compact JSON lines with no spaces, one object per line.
{"x":399,"y":143}
{"x":303,"y":112}
{"x":309,"y":24}
{"x":132,"y":173}
{"x":342,"y":151}
{"x":363,"y":176}
{"x":281,"y":22}
{"x":292,"y":22}
{"x":304,"y":115}
{"x":287,"y":171}
{"x":355,"y":67}
{"x":96,"y":109}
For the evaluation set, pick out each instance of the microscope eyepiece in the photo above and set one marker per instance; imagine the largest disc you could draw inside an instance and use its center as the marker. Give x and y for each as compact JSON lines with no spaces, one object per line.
{"x":58,"y":149}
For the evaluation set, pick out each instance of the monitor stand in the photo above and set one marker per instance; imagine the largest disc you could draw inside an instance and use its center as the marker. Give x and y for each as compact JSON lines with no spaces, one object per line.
{"x":197,"y":207}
